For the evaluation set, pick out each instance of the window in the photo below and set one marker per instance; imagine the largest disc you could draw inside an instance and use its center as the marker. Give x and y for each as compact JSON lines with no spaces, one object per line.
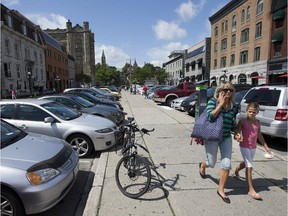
{"x":245,"y":35}
{"x":243,"y":16}
{"x":215,"y":63}
{"x":36,"y":57}
{"x":16,"y":47}
{"x":7,"y":69}
{"x":257,"y":54}
{"x":223,"y":62}
{"x":224,"y":44}
{"x":216,"y":31}
{"x":226,"y":25}
{"x":9,"y":20}
{"x":41,"y":58}
{"x":7,"y":47}
{"x":216,"y":47}
{"x":233,"y":40}
{"x":277,"y":48}
{"x":27,"y":53}
{"x":248,"y":13}
{"x":258,"y":32}
{"x":18,"y":71}
{"x":222,"y":28}
{"x":259,"y":7}
{"x":24,"y":29}
{"x":36,"y":36}
{"x":234,"y":21}
{"x":232,"y":60}
{"x":244,"y":57}
{"x":7,"y":111}
{"x":31,"y":113}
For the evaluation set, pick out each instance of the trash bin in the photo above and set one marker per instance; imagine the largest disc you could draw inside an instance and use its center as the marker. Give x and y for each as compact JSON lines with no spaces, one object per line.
{"x":201,"y":101}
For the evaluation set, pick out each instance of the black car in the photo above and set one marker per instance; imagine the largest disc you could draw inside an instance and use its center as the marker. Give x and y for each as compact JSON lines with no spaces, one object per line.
{"x":96,"y":100}
{"x":93,"y":91}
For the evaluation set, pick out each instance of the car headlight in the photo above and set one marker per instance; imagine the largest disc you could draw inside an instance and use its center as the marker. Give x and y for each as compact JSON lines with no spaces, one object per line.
{"x":39,"y":177}
{"x":105,"y":130}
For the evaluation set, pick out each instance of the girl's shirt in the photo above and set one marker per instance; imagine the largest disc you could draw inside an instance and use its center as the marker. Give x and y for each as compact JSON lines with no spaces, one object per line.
{"x":228,"y":117}
{"x":249,"y":133}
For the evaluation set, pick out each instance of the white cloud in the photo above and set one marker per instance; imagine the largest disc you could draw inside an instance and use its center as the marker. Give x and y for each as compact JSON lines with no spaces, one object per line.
{"x":159,"y":55}
{"x":188,"y":10}
{"x":10,"y":2}
{"x":168,"y":31}
{"x":115,"y":56}
{"x":51,"y":21}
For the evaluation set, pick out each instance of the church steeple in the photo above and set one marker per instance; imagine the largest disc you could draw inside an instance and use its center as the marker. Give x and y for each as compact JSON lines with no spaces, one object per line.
{"x":103,"y":58}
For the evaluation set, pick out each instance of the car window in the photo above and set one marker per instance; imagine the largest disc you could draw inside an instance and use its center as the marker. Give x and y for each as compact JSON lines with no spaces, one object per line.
{"x":7,"y":111}
{"x":267,"y":97}
{"x":66,"y":102}
{"x":61,"y":111}
{"x":31,"y":113}
{"x":83,"y":102}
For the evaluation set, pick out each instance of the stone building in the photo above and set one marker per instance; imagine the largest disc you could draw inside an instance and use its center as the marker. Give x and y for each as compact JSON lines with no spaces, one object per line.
{"x":22,"y":53}
{"x":79,"y":43}
{"x":240,"y":41}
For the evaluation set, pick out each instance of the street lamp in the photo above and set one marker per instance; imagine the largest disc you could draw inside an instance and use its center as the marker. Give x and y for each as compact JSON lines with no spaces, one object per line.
{"x":30,"y":77}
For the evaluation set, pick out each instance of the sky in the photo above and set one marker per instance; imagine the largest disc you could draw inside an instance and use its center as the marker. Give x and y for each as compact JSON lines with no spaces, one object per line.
{"x":127,"y":30}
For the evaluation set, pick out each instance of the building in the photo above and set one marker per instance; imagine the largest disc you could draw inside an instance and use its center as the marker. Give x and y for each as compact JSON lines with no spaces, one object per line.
{"x":240,"y":41}
{"x":79,"y":42}
{"x":22,"y":53}
{"x":197,"y":62}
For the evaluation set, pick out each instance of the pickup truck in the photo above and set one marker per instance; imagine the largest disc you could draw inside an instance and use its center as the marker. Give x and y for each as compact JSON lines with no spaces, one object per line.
{"x":165,"y":96}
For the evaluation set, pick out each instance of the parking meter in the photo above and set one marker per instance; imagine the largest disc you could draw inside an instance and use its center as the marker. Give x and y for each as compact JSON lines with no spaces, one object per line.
{"x":201,"y":102}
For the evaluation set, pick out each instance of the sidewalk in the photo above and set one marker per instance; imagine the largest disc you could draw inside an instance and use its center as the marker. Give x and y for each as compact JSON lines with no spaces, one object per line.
{"x":184,"y":192}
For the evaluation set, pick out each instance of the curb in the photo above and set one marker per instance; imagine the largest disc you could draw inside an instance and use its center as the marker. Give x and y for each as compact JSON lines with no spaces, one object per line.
{"x":98,"y":173}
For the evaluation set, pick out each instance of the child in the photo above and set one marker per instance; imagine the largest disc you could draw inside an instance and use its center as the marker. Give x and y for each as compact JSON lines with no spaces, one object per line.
{"x":250,"y":128}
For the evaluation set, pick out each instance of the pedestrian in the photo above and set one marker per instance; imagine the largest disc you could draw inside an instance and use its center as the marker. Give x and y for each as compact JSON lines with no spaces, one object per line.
{"x":13,"y":94}
{"x":222,"y":102}
{"x":145,"y":91}
{"x":247,"y":132}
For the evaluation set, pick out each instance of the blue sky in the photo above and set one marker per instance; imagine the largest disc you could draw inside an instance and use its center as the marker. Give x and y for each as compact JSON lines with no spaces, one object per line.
{"x":146,"y":30}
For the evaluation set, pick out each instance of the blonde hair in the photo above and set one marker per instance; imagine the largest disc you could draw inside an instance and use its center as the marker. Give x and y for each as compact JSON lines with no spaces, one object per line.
{"x":253,"y":105}
{"x":223,"y":85}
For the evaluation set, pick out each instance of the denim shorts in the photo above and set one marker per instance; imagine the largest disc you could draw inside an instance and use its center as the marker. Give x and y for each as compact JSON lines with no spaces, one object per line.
{"x":211,"y":148}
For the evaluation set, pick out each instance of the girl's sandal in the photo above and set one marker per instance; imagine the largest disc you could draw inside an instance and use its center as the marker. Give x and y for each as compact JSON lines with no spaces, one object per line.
{"x":255,"y":196}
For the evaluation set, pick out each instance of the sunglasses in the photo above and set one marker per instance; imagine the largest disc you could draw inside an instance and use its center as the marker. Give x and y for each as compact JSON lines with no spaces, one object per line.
{"x":226,"y":90}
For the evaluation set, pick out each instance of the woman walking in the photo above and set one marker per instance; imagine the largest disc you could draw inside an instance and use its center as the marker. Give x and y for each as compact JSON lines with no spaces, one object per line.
{"x":223,"y":102}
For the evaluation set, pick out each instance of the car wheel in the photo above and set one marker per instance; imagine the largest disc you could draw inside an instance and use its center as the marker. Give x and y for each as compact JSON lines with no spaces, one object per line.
{"x":169,"y":101}
{"x":81,"y":144}
{"x":10,"y":204}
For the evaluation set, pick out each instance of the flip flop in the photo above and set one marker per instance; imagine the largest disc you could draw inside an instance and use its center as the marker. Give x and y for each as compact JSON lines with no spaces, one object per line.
{"x":203,"y":176}
{"x":225,"y":199}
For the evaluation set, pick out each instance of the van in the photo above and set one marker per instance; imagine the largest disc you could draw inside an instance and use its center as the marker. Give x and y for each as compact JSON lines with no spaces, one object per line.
{"x":273,"y":109}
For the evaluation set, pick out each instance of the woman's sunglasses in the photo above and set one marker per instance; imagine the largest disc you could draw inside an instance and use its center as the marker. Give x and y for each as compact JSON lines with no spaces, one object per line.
{"x":226,"y":90}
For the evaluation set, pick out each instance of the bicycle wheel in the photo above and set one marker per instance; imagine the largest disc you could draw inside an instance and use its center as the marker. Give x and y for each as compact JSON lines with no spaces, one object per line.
{"x":133,"y":175}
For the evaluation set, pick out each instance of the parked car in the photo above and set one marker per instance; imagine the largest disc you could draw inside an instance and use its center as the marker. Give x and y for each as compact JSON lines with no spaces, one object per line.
{"x":85,"y":133}
{"x":36,"y":171}
{"x":94,"y":99}
{"x":273,"y":102}
{"x":104,"y":93}
{"x":93,"y":91}
{"x":176,"y":103}
{"x":80,"y":104}
{"x":111,"y":92}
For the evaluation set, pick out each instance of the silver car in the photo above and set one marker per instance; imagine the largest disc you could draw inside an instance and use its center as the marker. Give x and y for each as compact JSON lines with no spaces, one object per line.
{"x":36,"y":171}
{"x":84,"y":132}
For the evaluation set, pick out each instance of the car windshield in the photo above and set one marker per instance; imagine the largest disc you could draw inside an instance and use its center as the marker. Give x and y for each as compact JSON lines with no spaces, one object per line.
{"x":10,"y":134}
{"x":61,"y":111}
{"x":83,"y":102}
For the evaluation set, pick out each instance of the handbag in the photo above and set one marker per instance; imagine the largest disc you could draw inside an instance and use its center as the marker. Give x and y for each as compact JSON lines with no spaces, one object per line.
{"x":207,"y":130}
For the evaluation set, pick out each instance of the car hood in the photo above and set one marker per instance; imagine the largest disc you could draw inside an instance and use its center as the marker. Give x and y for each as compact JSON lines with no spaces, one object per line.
{"x":30,"y":150}
{"x":92,"y":121}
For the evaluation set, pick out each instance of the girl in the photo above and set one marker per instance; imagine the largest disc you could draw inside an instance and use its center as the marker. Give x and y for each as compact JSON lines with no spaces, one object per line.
{"x":250,"y":128}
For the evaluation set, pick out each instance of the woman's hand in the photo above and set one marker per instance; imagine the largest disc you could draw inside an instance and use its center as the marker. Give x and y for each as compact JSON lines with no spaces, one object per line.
{"x":238,"y":137}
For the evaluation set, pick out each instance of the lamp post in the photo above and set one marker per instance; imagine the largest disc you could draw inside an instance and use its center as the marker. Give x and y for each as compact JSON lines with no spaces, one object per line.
{"x":224,"y":76}
{"x":30,"y":77}
{"x":57,"y":80}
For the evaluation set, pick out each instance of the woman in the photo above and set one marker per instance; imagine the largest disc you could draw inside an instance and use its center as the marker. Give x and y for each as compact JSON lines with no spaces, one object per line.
{"x":223,"y":102}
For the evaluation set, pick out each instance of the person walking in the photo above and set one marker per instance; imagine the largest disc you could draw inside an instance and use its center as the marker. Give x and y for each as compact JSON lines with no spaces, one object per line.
{"x":13,"y":94}
{"x":145,"y":91}
{"x":222,"y":102}
{"x":250,"y":128}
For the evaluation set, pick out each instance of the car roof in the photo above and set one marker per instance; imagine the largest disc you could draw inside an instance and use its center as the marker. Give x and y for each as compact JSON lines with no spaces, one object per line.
{"x":26,"y":101}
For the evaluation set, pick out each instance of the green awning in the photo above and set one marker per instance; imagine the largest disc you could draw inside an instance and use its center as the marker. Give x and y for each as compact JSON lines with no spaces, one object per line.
{"x":280,"y":14}
{"x":277,"y":37}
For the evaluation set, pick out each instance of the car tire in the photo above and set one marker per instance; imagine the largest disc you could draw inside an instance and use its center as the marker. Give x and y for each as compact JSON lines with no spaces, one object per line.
{"x":10,"y":203}
{"x":81,"y":144}
{"x":169,"y":101}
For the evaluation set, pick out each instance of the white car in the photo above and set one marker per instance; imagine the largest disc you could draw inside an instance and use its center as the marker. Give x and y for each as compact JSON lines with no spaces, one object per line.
{"x":84,"y":132}
{"x":176,"y":103}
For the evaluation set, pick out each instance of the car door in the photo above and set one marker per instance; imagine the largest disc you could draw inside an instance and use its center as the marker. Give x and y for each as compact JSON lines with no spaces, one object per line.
{"x":31,"y":119}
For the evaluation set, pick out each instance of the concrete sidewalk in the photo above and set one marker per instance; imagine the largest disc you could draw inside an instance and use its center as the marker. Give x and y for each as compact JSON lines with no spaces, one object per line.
{"x":177,"y":188}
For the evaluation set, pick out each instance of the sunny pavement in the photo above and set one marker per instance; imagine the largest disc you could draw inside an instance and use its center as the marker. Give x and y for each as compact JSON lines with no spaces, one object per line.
{"x":176,"y":188}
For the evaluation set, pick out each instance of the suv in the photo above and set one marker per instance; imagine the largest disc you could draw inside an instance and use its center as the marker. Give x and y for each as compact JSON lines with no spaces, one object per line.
{"x":273,"y":108}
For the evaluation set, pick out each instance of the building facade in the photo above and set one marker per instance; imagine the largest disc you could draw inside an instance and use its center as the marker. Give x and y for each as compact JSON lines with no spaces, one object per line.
{"x":22,"y":53}
{"x":79,"y":43}
{"x":240,"y":34}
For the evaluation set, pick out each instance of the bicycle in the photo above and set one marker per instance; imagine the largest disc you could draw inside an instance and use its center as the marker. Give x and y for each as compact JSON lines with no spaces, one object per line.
{"x":133,"y":173}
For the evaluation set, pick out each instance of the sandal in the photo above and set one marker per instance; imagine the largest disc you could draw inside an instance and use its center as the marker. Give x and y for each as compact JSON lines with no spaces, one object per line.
{"x":203,"y":176}
{"x":255,"y":196}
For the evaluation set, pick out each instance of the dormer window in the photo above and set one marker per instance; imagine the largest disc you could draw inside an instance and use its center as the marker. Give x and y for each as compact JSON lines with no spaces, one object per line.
{"x":24,"y":29}
{"x":9,"y":20}
{"x":36,"y":38}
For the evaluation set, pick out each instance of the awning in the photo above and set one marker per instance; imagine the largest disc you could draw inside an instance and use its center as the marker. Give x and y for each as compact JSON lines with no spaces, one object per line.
{"x":277,"y":37}
{"x":258,"y":77}
{"x":280,"y":14}
{"x":284,"y":75}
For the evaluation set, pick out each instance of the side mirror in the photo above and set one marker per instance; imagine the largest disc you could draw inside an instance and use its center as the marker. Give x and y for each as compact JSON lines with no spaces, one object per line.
{"x":49,"y":120}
